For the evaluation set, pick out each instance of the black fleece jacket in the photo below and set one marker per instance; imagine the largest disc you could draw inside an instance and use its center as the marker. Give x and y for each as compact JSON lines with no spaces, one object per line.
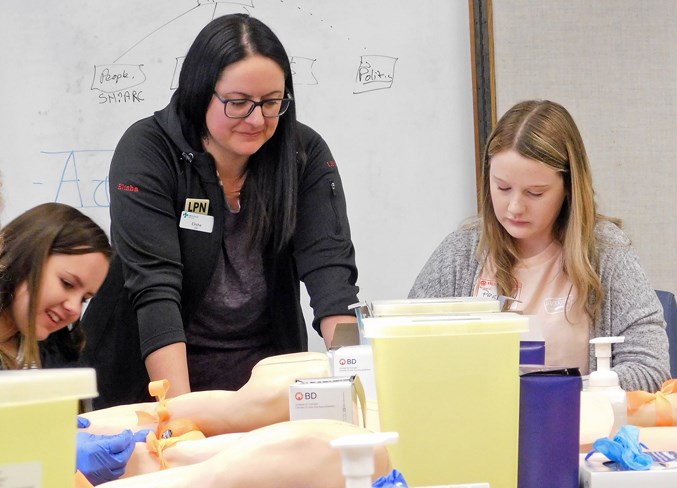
{"x":161,"y":270}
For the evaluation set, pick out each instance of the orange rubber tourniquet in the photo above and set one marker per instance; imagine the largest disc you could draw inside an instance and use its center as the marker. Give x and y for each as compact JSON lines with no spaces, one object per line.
{"x":178,"y":429}
{"x":637,"y":399}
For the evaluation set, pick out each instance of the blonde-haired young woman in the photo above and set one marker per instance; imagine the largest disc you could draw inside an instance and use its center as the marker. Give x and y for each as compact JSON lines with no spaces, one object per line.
{"x":540,"y":241}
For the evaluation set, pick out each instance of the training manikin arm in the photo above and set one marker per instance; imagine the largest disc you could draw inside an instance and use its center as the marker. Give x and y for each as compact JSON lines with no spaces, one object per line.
{"x":183,"y":453}
{"x":282,"y":455}
{"x":645,"y":416}
{"x":263,"y":400}
{"x":658,"y":409}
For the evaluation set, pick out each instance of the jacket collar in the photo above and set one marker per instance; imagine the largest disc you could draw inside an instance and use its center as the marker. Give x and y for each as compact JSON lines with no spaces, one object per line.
{"x":202,"y":161}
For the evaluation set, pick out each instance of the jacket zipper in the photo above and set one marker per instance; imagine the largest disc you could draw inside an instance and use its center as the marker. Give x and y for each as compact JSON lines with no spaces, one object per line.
{"x":334,"y":194}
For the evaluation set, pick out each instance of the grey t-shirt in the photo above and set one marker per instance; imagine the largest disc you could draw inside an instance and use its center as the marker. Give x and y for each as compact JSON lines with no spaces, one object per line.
{"x":230,"y":332}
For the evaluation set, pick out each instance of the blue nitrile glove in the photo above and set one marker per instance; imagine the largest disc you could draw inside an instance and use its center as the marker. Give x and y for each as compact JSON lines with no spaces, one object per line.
{"x":103,"y":458}
{"x":140,"y":436}
{"x":392,"y":479}
{"x":83,"y":422}
{"x":625,"y":449}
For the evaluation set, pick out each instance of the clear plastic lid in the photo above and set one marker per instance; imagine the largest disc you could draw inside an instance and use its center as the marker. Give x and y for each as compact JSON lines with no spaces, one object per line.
{"x":46,"y":385}
{"x":445,"y":325}
{"x":434,"y":306}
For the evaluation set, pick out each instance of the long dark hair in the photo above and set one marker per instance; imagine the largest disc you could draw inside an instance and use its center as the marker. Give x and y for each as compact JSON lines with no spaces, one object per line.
{"x":270,"y":191}
{"x":25,"y":245}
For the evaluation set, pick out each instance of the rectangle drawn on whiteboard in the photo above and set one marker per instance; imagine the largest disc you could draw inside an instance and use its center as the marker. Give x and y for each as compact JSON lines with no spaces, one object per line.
{"x":375,"y":73}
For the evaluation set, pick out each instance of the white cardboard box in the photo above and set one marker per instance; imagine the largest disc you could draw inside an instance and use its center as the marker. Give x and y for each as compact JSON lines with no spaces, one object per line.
{"x":337,"y":398}
{"x":355,"y":360}
{"x":594,"y":473}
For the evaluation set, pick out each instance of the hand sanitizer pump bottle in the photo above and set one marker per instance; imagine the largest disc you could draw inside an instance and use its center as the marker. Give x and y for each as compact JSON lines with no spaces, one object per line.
{"x":605,"y":381}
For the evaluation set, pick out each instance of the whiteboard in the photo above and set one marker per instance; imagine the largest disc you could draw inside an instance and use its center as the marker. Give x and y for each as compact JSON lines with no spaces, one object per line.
{"x":387,"y":83}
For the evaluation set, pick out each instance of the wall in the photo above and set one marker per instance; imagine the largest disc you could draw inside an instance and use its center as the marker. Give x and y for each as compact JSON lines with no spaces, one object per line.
{"x":387,"y":83}
{"x":613,"y":64}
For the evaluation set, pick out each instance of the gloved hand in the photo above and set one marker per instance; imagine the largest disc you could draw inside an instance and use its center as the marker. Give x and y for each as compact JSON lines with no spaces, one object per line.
{"x":83,"y":422}
{"x":103,"y":458}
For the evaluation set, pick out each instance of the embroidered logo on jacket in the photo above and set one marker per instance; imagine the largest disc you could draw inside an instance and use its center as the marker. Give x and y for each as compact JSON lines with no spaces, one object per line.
{"x":132,"y":188}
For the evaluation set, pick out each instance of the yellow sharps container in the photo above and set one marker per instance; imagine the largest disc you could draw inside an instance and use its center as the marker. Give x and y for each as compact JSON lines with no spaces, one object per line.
{"x":38,"y":410}
{"x":449,"y":385}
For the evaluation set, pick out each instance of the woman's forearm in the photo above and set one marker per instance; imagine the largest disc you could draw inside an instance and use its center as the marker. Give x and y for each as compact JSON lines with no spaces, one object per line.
{"x":170,"y":363}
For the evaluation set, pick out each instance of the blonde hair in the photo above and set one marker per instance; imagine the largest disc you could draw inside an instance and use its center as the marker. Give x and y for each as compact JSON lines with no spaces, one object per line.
{"x":544,"y":131}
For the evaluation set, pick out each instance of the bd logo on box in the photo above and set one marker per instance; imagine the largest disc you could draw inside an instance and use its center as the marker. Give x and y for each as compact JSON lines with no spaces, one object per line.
{"x":344,"y":361}
{"x":305,"y":396}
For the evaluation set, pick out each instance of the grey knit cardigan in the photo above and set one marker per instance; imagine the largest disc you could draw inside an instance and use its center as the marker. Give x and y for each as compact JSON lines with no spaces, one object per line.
{"x":630,"y":306}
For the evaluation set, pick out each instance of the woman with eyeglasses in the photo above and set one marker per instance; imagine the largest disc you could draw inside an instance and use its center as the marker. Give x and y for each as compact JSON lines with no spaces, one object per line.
{"x":221,"y":203}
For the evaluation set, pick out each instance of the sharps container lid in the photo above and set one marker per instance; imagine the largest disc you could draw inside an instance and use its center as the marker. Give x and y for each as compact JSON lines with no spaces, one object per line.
{"x":434,"y":306}
{"x":46,"y":385}
{"x":441,"y":325}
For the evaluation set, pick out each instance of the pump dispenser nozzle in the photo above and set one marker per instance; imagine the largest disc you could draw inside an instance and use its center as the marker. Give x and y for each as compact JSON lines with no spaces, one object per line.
{"x":605,"y":382}
{"x":604,"y":376}
{"x":357,"y":454}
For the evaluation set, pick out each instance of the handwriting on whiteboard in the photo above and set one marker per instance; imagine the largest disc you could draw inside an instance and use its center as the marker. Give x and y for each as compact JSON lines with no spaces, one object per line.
{"x":82,"y":180}
{"x":375,"y":73}
{"x":122,"y":83}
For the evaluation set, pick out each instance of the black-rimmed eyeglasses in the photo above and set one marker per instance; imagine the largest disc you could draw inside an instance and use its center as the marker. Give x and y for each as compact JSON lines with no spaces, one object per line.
{"x":241,"y":108}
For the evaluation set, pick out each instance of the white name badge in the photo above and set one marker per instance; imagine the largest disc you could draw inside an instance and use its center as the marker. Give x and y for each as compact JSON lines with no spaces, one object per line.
{"x":195,"y":221}
{"x":487,"y":289}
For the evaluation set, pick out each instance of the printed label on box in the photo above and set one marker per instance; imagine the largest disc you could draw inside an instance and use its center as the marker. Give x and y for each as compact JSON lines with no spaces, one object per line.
{"x":356,"y":360}
{"x":327,"y":398}
{"x":667,"y":459}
